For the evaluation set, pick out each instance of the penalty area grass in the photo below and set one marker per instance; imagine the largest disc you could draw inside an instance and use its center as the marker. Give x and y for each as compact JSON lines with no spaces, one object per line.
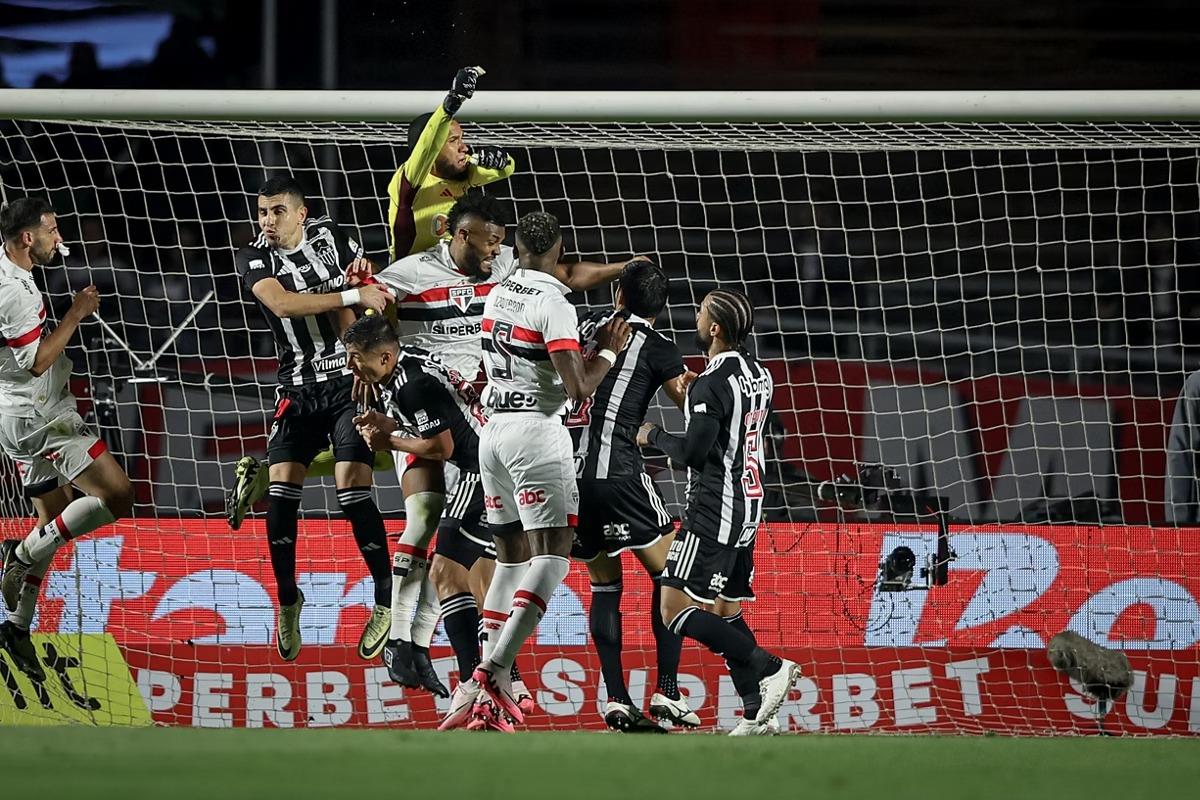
{"x":184,"y":763}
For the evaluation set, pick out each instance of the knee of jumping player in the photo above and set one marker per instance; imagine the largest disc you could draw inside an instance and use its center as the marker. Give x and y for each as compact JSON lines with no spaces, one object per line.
{"x":118,"y":497}
{"x":448,"y":576}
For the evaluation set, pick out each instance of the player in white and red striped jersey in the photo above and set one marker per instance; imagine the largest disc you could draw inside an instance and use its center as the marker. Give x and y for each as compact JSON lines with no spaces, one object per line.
{"x":440,"y":296}
{"x":40,"y":426}
{"x":532,"y":360}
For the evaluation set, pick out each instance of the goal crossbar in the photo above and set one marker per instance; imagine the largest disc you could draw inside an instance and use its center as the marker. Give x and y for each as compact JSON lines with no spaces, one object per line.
{"x":642,"y":106}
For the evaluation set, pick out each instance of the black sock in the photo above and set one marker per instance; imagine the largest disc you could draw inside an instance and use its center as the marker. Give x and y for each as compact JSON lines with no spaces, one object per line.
{"x":460,"y":616}
{"x":604,"y":621}
{"x":745,"y":681}
{"x":667,"y":645}
{"x":283,"y":504}
{"x":724,"y":639}
{"x":514,"y":674}
{"x":367,"y":524}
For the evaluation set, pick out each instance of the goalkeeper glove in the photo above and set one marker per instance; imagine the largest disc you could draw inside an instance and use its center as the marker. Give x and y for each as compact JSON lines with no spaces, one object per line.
{"x":489,"y":157}
{"x":462,"y":89}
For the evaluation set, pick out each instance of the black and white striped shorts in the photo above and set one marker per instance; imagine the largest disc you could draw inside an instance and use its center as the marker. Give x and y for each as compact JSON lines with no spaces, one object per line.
{"x":463,"y":534}
{"x":706,"y":570}
{"x":619,"y":515}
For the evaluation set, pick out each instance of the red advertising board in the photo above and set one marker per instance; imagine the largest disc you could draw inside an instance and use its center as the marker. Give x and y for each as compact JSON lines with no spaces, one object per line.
{"x":847,"y":690}
{"x":191,"y":605}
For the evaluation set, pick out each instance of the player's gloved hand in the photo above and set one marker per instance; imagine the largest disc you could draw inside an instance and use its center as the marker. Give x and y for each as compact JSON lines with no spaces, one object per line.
{"x":488,"y":157}
{"x":375,"y":297}
{"x":614,"y":335}
{"x":85,"y":303}
{"x":462,"y":89}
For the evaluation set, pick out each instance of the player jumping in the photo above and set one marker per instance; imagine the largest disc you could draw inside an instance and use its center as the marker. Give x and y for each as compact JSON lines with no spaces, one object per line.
{"x":295,"y":270}
{"x":40,"y":426}
{"x":533,"y":365}
{"x":440,"y":168}
{"x":440,"y":296}
{"x":418,"y":394}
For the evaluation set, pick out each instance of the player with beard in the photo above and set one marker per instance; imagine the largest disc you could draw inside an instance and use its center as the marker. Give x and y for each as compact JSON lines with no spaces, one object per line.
{"x":440,"y":168}
{"x":440,"y":296}
{"x":40,"y":426}
{"x":710,"y":567}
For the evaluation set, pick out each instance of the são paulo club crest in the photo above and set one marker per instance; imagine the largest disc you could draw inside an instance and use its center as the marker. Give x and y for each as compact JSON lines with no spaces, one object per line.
{"x":462,"y":296}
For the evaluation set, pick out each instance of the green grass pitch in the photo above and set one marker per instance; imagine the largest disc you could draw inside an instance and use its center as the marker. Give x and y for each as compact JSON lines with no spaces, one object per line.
{"x":180,"y":763}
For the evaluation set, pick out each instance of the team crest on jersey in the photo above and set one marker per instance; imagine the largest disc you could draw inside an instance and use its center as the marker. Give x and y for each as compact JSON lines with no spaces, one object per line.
{"x":325,"y":249}
{"x":462,"y":296}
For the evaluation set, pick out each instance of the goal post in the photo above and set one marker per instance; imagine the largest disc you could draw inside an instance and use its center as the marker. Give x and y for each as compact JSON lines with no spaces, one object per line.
{"x":638,"y":106}
{"x":990,"y":295}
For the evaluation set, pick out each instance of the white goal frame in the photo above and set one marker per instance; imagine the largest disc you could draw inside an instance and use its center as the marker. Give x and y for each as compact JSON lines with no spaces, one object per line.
{"x":642,"y":106}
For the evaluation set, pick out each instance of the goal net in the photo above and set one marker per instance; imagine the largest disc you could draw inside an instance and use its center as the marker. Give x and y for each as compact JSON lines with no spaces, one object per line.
{"x":999,"y":315}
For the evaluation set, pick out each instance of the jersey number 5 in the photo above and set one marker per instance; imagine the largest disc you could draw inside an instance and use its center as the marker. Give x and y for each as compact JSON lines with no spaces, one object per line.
{"x":581,"y":414}
{"x":501,"y":339}
{"x":751,"y":454}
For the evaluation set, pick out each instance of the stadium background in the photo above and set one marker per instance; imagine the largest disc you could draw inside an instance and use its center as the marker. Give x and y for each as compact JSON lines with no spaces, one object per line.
{"x":863,"y":312}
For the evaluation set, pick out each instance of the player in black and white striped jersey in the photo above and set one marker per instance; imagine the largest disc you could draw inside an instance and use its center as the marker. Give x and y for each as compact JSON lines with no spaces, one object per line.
{"x":296,"y":271}
{"x":711,"y":563}
{"x":620,"y":508}
{"x":423,"y":408}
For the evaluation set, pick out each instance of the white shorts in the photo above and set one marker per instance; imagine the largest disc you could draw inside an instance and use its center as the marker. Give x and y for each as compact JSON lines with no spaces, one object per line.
{"x":527,"y":464}
{"x":52,"y":449}
{"x":402,"y":460}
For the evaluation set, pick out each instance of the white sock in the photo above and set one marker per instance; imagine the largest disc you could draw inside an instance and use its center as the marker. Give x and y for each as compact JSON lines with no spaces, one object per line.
{"x":27,"y":601}
{"x":81,"y":516}
{"x":429,"y":611}
{"x":410,"y":562}
{"x":497,"y":603}
{"x":544,"y":575}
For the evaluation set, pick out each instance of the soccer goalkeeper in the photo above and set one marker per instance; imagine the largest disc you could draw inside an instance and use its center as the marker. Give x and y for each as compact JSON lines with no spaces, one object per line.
{"x":440,"y":168}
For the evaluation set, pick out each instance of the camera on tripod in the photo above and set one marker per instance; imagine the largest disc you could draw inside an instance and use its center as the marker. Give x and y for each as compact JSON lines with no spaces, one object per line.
{"x":880,"y":492}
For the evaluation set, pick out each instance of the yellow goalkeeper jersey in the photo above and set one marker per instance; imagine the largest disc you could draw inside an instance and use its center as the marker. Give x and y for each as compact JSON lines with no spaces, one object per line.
{"x":419,"y":201}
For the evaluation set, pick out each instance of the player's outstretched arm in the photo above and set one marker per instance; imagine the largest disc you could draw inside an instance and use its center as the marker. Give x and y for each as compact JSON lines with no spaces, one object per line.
{"x":50,"y":348}
{"x":580,"y":378}
{"x":584,"y":275}
{"x":285,"y":304}
{"x":437,"y":130}
{"x":690,"y":450}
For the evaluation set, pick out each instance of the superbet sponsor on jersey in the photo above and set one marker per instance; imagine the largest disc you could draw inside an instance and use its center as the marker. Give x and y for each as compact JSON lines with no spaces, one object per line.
{"x":190,"y":605}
